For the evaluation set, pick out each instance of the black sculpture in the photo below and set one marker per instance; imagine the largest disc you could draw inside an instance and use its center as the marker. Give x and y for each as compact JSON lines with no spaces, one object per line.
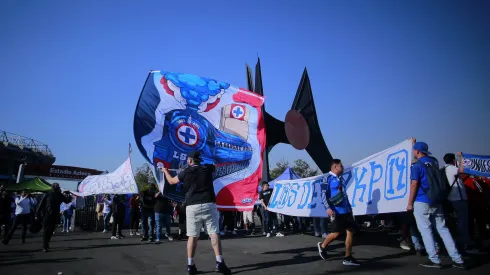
{"x":276,"y":130}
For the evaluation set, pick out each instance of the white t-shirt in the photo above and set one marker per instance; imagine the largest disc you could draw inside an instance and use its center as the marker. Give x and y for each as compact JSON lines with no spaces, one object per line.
{"x":457,"y":192}
{"x":107,"y":206}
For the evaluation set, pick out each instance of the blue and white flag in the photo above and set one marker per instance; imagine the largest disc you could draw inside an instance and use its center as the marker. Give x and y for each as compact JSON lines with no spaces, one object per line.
{"x":476,"y":165}
{"x":377,"y":184}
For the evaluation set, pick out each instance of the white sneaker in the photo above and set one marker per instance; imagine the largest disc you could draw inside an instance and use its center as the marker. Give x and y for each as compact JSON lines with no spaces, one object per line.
{"x":105,"y":231}
{"x":114,"y":238}
{"x":324,"y":235}
{"x":268,"y":235}
{"x":63,"y":231}
{"x":279,"y":234}
{"x":263,"y":233}
{"x":131,"y":234}
{"x":137,"y":233}
{"x":317,"y":234}
{"x":170,"y":238}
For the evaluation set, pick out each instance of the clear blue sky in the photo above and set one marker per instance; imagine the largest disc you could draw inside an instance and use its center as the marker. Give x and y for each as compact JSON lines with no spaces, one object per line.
{"x":381,"y":71}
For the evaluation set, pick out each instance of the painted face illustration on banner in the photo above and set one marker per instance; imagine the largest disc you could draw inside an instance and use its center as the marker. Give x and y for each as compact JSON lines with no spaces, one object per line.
{"x":181,"y":113}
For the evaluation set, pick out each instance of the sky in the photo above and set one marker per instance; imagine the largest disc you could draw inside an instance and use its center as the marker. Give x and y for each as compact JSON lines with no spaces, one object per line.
{"x":381,"y":71}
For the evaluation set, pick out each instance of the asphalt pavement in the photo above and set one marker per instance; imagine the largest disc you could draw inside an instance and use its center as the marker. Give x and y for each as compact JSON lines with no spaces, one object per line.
{"x":95,"y":253}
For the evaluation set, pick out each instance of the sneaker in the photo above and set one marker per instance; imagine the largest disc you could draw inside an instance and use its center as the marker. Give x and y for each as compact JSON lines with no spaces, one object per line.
{"x":151,"y":240}
{"x":170,"y":238}
{"x":131,"y":233}
{"x":268,"y":235}
{"x":191,"y":270}
{"x":279,"y":234}
{"x":350,"y":261}
{"x":222,"y":268}
{"x":460,"y":266}
{"x":404,"y":245}
{"x":45,"y":250}
{"x":473,"y":250}
{"x":234,"y":232}
{"x":431,"y":264}
{"x":157,"y":241}
{"x":137,"y":233}
{"x":114,"y":238}
{"x":121,"y":236}
{"x":144,"y":239}
{"x":324,"y":235}
{"x":63,"y":231}
{"x":263,"y":233}
{"x":322,"y":251}
{"x":105,"y":231}
{"x":317,"y":234}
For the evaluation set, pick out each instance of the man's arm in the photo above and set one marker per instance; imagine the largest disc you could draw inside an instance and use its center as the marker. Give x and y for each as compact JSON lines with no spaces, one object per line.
{"x":414,"y":188}
{"x":325,"y":188}
{"x":171,"y":180}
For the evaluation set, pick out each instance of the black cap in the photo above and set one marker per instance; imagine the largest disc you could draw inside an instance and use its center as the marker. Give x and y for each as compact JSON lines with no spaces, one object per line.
{"x":196,"y":155}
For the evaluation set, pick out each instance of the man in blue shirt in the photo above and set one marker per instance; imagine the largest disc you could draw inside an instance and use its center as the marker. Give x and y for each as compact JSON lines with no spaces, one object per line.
{"x":427,"y":213}
{"x":339,"y":210}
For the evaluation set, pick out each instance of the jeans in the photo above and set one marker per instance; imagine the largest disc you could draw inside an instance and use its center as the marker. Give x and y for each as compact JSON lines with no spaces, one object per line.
{"x":268,"y":218}
{"x":23,"y":220}
{"x":461,"y":209}
{"x":66,"y":221}
{"x":107,"y":218}
{"x":162,"y":219}
{"x":320,"y":225}
{"x":147,"y":218}
{"x":426,"y":217}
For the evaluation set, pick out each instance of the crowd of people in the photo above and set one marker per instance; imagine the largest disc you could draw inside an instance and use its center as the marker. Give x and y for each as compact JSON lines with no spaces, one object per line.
{"x":455,"y":217}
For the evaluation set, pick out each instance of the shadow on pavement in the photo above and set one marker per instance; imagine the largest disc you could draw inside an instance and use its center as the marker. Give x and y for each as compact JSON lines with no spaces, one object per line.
{"x":46,"y":261}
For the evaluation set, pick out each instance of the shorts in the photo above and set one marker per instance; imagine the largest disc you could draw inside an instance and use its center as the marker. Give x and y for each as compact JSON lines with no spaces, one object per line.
{"x":248,"y":217}
{"x":343,"y":222}
{"x":198,"y":215}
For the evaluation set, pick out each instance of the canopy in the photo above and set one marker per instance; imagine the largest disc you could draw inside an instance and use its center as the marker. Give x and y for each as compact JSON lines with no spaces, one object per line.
{"x":288,"y":174}
{"x":35,"y":184}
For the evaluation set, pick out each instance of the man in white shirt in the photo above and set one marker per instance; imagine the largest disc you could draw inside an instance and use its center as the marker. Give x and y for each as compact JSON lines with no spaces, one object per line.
{"x":459,"y":200}
{"x":23,"y":206}
{"x":107,"y":211}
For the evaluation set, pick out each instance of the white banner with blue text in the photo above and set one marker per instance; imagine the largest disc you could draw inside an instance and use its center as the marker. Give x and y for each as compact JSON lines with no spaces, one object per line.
{"x":377,"y":184}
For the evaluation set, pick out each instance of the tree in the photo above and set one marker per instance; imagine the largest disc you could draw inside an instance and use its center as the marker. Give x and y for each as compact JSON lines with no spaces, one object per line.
{"x":144,"y":177}
{"x":303,"y":169}
{"x":279,"y":169}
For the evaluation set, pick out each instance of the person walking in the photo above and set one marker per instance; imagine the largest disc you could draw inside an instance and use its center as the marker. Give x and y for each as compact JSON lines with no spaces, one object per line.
{"x":119,"y":213}
{"x":163,"y":211}
{"x":135,"y":214}
{"x":107,"y":211}
{"x":270,"y":218}
{"x":429,"y":213}
{"x":338,"y":208}
{"x":67,"y":214}
{"x":49,"y":210}
{"x":23,"y":206}
{"x":200,"y":202}
{"x":5,"y":210}
{"x":148,"y":213}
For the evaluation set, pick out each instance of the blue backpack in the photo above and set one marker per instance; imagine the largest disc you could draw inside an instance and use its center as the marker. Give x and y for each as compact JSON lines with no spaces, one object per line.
{"x":438,"y":190}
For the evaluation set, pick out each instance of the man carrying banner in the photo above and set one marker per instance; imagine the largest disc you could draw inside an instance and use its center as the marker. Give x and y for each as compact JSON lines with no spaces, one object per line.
{"x":339,"y":210}
{"x":427,"y":192}
{"x":200,"y":203}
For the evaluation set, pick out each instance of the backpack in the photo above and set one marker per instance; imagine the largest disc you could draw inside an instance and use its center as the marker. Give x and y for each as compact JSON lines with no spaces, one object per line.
{"x":438,"y":185}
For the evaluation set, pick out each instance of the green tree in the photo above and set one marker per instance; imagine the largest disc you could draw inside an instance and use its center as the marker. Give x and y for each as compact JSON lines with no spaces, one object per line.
{"x":303,"y":169}
{"x":279,"y":169}
{"x":144,"y":177}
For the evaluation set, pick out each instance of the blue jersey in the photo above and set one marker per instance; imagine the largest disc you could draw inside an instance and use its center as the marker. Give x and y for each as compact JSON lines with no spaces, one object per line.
{"x":331,"y":187}
{"x":418,"y":173}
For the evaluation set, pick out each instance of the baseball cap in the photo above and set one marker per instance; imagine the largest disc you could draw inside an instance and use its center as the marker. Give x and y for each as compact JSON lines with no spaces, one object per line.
{"x":195,"y":155}
{"x":422,"y":147}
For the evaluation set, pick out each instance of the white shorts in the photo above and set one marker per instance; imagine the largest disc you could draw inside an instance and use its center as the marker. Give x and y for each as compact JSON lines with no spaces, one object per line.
{"x":198,"y":215}
{"x":248,"y":217}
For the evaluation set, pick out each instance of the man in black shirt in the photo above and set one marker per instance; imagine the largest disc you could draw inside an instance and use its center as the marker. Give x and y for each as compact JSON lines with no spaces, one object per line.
{"x":201,"y":208}
{"x":163,"y":211}
{"x":148,"y":213}
{"x":5,"y":210}
{"x":265,"y":197}
{"x":49,"y":210}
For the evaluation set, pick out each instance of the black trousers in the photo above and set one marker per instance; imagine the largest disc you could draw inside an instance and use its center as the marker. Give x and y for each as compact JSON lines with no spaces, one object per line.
{"x":4,"y":220}
{"x":117,"y":223}
{"x":49,"y":225}
{"x":23,"y":220}
{"x":134,"y":221}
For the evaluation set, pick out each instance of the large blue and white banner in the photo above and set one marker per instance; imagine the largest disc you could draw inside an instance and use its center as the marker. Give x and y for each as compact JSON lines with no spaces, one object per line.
{"x":476,"y":165}
{"x":376,"y":184}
